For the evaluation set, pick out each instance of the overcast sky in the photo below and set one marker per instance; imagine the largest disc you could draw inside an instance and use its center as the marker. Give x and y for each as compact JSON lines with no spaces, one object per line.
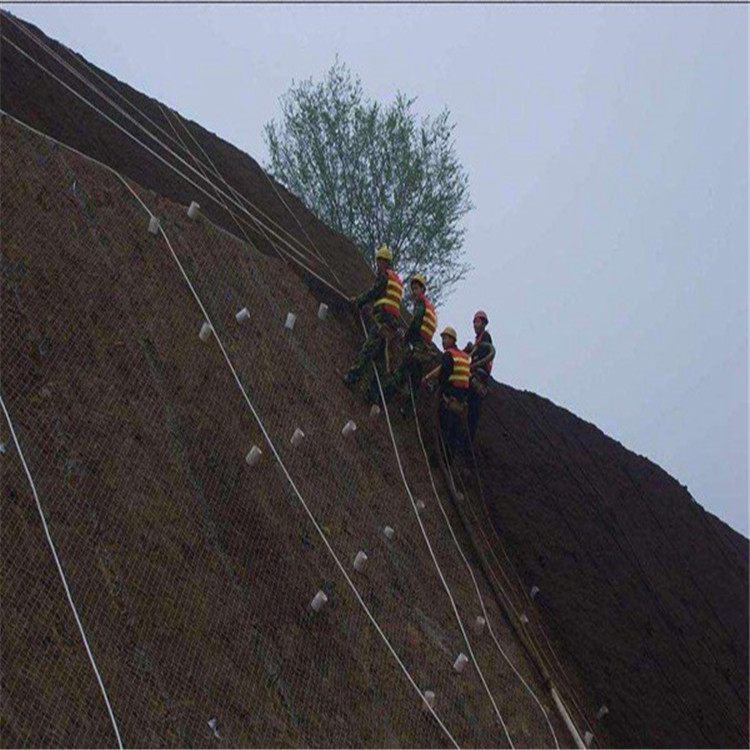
{"x":607,"y":154}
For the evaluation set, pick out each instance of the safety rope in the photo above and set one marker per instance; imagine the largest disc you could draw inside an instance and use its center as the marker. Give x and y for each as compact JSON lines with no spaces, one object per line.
{"x":115,"y":106}
{"x":471,"y":572}
{"x":62,"y":574}
{"x":219,"y":197}
{"x":286,"y":254}
{"x":633,"y":558}
{"x":528,"y":639}
{"x":565,"y":681}
{"x":288,"y":476}
{"x":431,"y":551}
{"x":312,"y":247}
{"x":624,"y":610}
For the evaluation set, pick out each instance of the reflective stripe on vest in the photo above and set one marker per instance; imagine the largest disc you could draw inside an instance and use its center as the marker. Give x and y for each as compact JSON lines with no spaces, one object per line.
{"x":487,"y":367}
{"x":394,"y":293}
{"x":459,"y":378}
{"x":429,"y":321}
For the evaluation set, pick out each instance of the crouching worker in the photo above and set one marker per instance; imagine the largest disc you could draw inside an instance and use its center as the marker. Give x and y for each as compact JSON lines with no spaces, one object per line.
{"x":482,"y":354}
{"x":453,"y":382}
{"x":387,"y":292}
{"x":417,"y":340}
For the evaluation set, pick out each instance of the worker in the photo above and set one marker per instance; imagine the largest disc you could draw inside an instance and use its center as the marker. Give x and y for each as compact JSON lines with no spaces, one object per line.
{"x":387,"y":291}
{"x":417,"y":339}
{"x":482,"y":353}
{"x":453,"y":381}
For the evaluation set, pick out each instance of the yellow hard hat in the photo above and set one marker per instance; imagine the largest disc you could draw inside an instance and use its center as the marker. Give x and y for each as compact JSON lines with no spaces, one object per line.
{"x":419,"y":279}
{"x":449,"y":331}
{"x":384,"y":253}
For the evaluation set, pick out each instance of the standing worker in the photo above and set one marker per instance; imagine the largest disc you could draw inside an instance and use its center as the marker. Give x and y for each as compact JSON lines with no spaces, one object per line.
{"x":417,"y":339}
{"x":482,"y":354}
{"x":453,"y":380}
{"x":387,"y":291}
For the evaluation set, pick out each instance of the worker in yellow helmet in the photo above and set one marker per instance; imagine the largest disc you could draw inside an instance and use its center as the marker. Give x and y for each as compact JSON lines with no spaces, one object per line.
{"x":386,"y":294}
{"x":417,"y":339}
{"x":453,"y":380}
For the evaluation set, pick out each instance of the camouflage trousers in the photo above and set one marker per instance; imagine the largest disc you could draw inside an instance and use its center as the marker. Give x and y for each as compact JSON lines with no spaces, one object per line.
{"x":383,"y":327}
{"x":413,"y":362}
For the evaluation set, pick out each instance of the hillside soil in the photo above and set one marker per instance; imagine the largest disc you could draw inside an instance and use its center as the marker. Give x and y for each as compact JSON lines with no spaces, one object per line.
{"x":196,"y":572}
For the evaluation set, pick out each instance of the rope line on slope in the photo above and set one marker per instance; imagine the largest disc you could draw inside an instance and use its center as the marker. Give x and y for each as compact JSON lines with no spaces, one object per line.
{"x":56,"y":56}
{"x":287,"y":255}
{"x":62,"y":574}
{"x":606,"y":580}
{"x":471,"y":572}
{"x":529,"y":641}
{"x":237,"y":196}
{"x":432,"y":553}
{"x":260,"y":424}
{"x":312,"y":246}
{"x":219,"y":198}
{"x":559,"y":669}
{"x":288,"y":476}
{"x":81,"y":154}
{"x":633,"y":558}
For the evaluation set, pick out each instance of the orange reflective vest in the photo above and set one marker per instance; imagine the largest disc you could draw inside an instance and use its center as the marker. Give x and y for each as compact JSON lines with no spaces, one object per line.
{"x":429,"y":321}
{"x":459,"y":378}
{"x":394,"y":293}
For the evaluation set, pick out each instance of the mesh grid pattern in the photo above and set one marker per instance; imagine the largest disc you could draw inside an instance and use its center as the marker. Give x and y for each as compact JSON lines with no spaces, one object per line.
{"x":194,"y":572}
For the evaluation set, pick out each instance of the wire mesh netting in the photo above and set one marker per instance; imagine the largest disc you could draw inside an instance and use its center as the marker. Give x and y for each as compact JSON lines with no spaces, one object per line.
{"x":193,"y":572}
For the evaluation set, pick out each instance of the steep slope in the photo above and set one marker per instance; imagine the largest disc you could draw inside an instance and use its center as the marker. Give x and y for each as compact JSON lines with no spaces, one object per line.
{"x":642,"y":589}
{"x":193,"y":572}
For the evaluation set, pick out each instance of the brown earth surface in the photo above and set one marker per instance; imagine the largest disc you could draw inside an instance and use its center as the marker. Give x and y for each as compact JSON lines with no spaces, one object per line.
{"x":192,"y":572}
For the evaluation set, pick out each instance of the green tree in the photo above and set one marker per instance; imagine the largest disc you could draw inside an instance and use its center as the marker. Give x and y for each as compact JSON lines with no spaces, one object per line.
{"x":376,"y":173}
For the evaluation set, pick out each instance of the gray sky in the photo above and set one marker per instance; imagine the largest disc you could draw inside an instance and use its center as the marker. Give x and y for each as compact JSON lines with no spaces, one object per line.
{"x":607,"y":153}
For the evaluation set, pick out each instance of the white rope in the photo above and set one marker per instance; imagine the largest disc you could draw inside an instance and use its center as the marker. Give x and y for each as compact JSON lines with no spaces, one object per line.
{"x":119,"y":109}
{"x":525,"y":595}
{"x":313,"y":249}
{"x":271,"y":445}
{"x":471,"y":572}
{"x":120,"y":177}
{"x":238,"y":196}
{"x":62,"y":574}
{"x":173,"y":168}
{"x":223,"y":203}
{"x":432,"y":553}
{"x":107,"y":167}
{"x":256,"y":416}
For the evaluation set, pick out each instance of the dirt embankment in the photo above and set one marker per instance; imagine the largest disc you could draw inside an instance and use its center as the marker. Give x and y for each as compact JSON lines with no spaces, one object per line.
{"x":193,"y":572}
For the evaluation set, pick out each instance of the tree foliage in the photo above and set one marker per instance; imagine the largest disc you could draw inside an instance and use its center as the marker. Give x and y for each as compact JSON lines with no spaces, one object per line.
{"x":376,"y":173}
